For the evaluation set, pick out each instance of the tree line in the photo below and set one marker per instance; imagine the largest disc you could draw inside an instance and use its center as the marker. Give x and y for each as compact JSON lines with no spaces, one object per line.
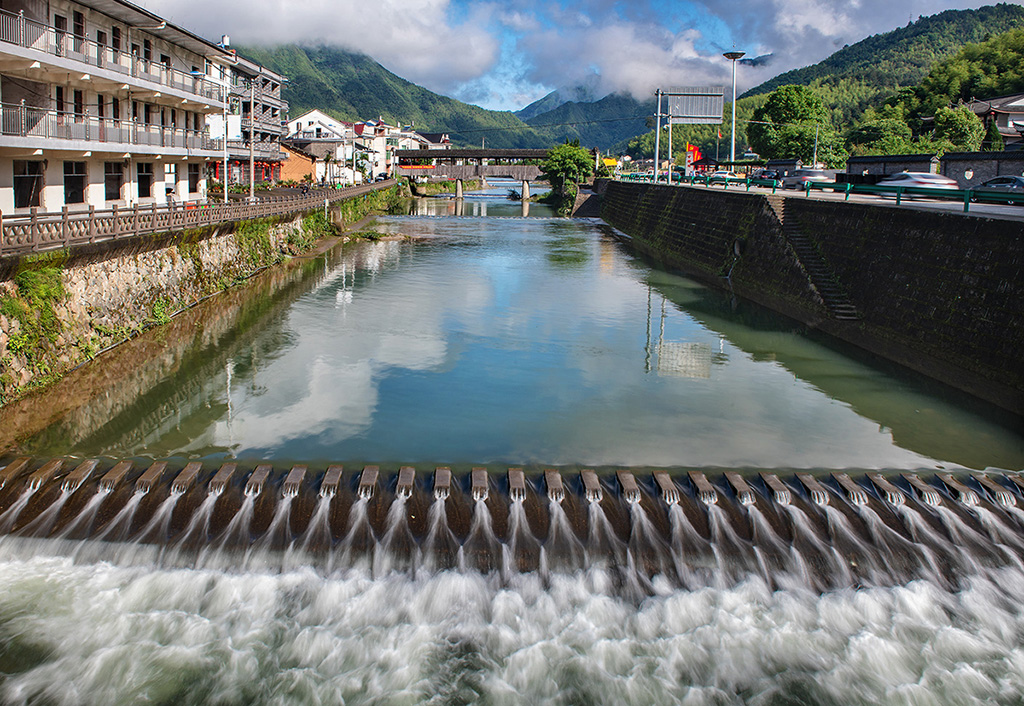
{"x":839,"y":118}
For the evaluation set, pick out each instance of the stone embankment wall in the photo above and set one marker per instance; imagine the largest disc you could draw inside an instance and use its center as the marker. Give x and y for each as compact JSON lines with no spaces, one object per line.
{"x":61,"y":309}
{"x":939,"y":292}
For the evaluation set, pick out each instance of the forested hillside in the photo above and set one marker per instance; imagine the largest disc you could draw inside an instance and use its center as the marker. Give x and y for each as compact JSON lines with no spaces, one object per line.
{"x":855,"y":80}
{"x":904,"y":56}
{"x":603,"y":123}
{"x":916,"y":69}
{"x":353,"y":86}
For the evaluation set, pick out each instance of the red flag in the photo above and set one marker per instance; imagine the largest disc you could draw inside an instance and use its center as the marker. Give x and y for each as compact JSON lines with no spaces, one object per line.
{"x":719,"y":133}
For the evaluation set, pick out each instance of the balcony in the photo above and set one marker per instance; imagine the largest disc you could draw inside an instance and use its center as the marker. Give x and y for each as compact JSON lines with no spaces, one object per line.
{"x":262,"y":151}
{"x":264,"y":123}
{"x":41,"y":124}
{"x":22,"y":32}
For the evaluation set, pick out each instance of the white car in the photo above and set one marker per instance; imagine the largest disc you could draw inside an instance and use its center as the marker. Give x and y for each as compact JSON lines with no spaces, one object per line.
{"x":924,"y":180}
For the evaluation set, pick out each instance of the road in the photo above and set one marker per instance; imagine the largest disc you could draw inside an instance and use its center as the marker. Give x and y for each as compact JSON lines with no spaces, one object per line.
{"x":987,"y":210}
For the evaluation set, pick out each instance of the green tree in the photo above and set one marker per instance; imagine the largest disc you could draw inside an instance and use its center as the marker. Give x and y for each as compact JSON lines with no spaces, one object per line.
{"x":880,"y":136}
{"x":993,"y":141}
{"x":565,"y":166}
{"x":960,"y":126}
{"x":791,"y":124}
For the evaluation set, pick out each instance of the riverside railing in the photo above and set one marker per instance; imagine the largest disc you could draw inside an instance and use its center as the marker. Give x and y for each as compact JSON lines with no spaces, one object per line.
{"x":42,"y":231}
{"x":965,"y":196}
{"x":26,"y":121}
{"x":18,"y":29}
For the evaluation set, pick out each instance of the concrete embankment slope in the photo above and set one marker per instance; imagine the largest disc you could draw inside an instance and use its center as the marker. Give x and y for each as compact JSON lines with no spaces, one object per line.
{"x":941,"y":293}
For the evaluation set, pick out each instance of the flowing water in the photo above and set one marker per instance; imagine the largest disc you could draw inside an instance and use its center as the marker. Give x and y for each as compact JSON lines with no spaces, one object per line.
{"x":471,"y":334}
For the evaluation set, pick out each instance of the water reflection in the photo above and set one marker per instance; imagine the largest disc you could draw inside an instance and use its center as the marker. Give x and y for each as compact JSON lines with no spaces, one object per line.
{"x":531,"y":340}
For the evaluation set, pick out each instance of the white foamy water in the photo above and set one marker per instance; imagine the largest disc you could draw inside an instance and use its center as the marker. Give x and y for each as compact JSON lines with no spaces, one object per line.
{"x":104,"y":634}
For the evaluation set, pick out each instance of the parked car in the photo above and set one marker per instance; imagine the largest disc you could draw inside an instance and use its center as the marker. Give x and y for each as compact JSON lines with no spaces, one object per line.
{"x":923,"y":180}
{"x":798,"y":178}
{"x":993,"y":189}
{"x":722,"y":176}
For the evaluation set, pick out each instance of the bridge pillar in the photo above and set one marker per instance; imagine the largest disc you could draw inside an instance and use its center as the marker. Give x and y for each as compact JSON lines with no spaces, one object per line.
{"x":458,"y":188}
{"x":525,"y":190}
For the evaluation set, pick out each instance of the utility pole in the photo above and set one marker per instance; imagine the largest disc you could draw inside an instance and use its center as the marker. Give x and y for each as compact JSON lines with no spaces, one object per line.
{"x":224,"y":171}
{"x":733,"y":56}
{"x":657,"y":138}
{"x":252,"y":139}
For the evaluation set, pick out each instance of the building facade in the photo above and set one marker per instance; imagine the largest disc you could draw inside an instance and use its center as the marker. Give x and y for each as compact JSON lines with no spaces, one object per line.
{"x":1007,"y":112}
{"x":254,"y":124}
{"x":103,"y":104}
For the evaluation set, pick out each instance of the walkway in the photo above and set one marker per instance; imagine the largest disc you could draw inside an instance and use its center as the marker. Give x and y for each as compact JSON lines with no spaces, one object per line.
{"x":42,"y":231}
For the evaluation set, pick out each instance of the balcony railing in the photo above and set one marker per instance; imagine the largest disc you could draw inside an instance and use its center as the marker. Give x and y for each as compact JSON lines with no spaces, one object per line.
{"x":239,"y":149}
{"x":17,"y":29}
{"x":26,"y":121}
{"x":41,"y":231}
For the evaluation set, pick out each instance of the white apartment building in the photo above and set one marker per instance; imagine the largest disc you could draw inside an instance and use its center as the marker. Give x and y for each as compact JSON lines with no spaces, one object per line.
{"x":255,"y":126}
{"x":103,"y":103}
{"x":317,"y":125}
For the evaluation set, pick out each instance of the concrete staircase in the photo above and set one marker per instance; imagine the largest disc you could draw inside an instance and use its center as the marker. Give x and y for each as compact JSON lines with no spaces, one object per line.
{"x":822,"y":278}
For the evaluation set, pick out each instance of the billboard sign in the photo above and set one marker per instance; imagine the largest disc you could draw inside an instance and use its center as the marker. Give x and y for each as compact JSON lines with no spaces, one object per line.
{"x":696,"y":105}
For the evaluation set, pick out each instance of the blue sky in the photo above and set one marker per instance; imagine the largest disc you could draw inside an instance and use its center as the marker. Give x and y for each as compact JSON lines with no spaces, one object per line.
{"x":504,"y":55}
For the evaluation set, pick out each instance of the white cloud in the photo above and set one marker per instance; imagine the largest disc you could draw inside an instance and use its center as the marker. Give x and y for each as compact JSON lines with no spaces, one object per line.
{"x":505,"y":56}
{"x":416,"y":39}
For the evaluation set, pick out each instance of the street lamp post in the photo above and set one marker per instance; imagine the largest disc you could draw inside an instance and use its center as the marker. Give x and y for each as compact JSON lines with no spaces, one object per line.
{"x":733,"y":56}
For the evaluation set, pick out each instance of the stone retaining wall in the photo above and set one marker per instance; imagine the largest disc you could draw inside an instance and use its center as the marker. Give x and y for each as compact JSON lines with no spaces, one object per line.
{"x":111,"y":292}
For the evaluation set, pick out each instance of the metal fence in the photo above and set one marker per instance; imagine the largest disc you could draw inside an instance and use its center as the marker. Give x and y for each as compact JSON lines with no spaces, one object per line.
{"x":964,"y":196}
{"x":17,"y":29}
{"x":41,"y":231}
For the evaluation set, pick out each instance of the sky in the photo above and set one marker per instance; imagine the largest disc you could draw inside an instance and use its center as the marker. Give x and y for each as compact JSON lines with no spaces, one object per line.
{"x":505,"y":55}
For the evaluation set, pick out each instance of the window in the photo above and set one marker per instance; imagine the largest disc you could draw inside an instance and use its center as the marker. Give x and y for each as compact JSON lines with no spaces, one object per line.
{"x":145,"y":174}
{"x":59,"y":98}
{"x":115,"y":108}
{"x":147,"y":50}
{"x":115,"y":38}
{"x":170,"y":181}
{"x":147,"y":113}
{"x":101,"y":108}
{"x":78,"y":29}
{"x":79,"y":104}
{"x":60,"y":26}
{"x":193,"y":177}
{"x":74,"y":182}
{"x":113,"y":180}
{"x":28,"y":183}
{"x":166,"y":61}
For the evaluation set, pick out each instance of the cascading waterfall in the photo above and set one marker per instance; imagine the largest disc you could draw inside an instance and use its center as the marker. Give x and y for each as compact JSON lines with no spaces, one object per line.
{"x":798,"y":532}
{"x":469,"y":554}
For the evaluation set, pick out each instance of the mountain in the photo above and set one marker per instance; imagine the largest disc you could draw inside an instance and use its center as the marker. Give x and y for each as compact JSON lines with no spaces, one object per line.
{"x":352,"y":86}
{"x":903,"y":56}
{"x":541,"y":105}
{"x":585,"y":92}
{"x":600,"y":124}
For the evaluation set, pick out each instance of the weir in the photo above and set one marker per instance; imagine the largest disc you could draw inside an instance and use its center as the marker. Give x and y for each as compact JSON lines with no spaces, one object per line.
{"x":692,"y":527}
